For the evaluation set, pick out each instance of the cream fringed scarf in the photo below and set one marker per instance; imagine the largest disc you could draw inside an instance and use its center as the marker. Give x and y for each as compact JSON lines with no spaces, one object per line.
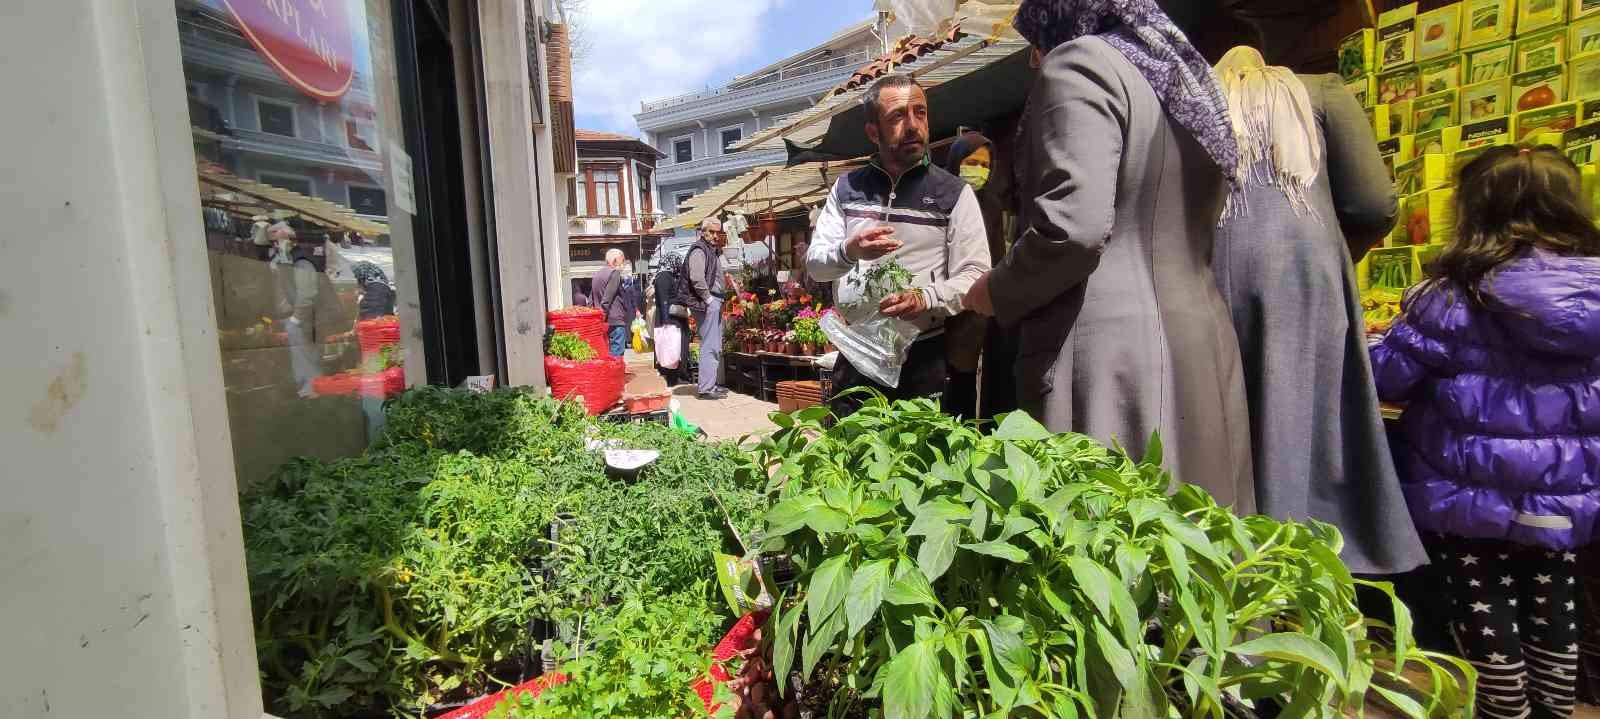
{"x":1279,"y":144}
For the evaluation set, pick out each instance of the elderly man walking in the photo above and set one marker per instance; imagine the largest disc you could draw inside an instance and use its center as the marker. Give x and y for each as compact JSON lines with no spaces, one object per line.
{"x":608,"y":295}
{"x":703,"y":293}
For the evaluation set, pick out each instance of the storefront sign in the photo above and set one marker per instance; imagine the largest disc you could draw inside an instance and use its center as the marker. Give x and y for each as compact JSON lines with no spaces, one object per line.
{"x":308,"y":41}
{"x":583,"y":251}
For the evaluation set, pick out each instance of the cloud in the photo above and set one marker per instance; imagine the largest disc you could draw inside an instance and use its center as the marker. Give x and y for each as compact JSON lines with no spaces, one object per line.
{"x":650,"y":49}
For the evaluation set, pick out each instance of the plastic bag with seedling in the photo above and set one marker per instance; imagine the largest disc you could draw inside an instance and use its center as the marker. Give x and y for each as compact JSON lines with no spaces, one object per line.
{"x":875,"y":344}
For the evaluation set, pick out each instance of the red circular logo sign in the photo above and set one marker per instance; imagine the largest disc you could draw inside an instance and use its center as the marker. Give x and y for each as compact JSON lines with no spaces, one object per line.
{"x":307,"y":41}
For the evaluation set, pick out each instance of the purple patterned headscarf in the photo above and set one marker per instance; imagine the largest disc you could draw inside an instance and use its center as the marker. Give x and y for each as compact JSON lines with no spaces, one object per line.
{"x":1143,"y":33}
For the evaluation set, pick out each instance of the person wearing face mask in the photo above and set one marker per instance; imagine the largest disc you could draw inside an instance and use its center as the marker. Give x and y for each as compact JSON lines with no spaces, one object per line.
{"x":972,"y":159}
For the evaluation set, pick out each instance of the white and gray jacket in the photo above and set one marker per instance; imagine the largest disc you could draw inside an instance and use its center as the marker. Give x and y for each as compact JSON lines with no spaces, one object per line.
{"x":936,"y":218}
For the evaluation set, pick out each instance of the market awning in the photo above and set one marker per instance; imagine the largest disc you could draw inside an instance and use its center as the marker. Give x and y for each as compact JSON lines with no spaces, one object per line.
{"x":223,"y":188}
{"x":989,"y":82}
{"x":979,"y":24}
{"x":764,"y":189}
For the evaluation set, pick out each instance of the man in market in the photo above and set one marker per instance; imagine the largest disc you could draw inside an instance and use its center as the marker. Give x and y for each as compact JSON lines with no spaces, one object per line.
{"x":611,"y":297}
{"x":904,"y":209}
{"x":306,"y":300}
{"x":702,"y":290}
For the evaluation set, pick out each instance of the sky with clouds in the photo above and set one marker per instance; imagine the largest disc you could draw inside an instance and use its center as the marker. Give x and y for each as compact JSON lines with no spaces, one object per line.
{"x":651,"y":49}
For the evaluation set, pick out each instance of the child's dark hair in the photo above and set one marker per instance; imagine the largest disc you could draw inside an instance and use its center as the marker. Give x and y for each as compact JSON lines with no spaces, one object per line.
{"x":1511,"y":199}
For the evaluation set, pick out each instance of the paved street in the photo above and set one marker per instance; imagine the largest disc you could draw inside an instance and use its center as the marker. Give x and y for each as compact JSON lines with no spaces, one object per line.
{"x":729,"y":419}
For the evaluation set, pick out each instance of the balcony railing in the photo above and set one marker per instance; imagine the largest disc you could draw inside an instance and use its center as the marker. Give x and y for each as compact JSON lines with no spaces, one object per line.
{"x":852,"y":61}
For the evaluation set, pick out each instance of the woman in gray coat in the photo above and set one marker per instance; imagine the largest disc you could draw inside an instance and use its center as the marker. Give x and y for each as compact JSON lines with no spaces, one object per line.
{"x":1123,"y":165}
{"x":1312,"y":191}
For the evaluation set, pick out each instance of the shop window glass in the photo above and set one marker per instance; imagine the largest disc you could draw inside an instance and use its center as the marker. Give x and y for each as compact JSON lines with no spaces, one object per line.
{"x":276,"y":117}
{"x":369,"y":200}
{"x":292,"y":184}
{"x":307,"y":251}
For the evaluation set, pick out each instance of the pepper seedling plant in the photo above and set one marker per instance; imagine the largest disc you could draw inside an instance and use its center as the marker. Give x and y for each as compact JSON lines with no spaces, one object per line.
{"x":944,"y":572}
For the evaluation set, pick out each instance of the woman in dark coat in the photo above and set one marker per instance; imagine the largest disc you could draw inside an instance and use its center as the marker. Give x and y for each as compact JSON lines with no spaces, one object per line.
{"x":1123,"y":168}
{"x":1312,"y":187}
{"x":663,"y":284}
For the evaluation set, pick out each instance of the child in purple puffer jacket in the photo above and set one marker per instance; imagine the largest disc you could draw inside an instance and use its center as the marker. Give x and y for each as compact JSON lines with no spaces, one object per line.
{"x":1498,"y":356}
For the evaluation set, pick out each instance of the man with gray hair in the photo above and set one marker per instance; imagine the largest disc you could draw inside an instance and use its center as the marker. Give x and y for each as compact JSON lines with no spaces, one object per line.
{"x":607,"y":293}
{"x":703,"y":294}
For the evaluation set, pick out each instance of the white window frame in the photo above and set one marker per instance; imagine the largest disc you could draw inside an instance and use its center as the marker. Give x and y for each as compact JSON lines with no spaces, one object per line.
{"x":262,"y":175}
{"x":350,"y":203}
{"x":344,"y":133}
{"x":722,"y":142}
{"x":673,"y":143}
{"x":294,"y":115}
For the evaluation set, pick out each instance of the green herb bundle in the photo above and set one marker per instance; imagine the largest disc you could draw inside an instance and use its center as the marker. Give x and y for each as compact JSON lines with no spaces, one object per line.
{"x":944,"y":572}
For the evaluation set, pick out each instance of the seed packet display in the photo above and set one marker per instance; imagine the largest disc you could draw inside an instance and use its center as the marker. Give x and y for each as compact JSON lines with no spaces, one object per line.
{"x":1357,"y":54}
{"x":1583,"y":36}
{"x":1553,"y":119}
{"x":1583,"y":77}
{"x":1399,"y":85}
{"x":1396,"y":150}
{"x":1582,"y":143}
{"x":1486,"y":133}
{"x":1408,"y":176}
{"x":1589,"y":111}
{"x":1365,"y":90}
{"x":1485,"y":100}
{"x":1539,"y":14}
{"x":1542,"y":50}
{"x":1584,"y":8}
{"x":1539,"y":88}
{"x":1439,"y":32}
{"x":1489,"y":63}
{"x":1435,"y":142}
{"x":1439,"y":75}
{"x":1397,"y":37}
{"x":1486,"y":21}
{"x":1436,"y":112}
{"x":1400,"y":119}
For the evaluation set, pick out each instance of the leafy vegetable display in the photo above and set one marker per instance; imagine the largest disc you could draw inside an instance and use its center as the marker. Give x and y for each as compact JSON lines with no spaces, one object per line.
{"x":570,"y":347}
{"x":398,"y":579}
{"x":944,"y":572}
{"x":882,"y":279}
{"x":642,"y":664}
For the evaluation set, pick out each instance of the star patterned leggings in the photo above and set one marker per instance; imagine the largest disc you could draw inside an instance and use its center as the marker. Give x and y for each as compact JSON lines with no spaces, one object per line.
{"x":1515,"y":617}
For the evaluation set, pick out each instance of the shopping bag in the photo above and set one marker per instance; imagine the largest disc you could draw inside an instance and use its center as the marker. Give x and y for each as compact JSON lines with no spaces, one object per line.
{"x":638,"y":337}
{"x":669,"y":346}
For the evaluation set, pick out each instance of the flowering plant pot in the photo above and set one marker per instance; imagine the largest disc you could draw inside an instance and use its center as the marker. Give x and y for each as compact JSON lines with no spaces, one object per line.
{"x":769,"y":225}
{"x":808,"y":350}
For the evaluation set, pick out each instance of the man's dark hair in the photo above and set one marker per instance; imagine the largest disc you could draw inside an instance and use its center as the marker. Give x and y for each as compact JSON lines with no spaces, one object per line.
{"x":872,"y":101}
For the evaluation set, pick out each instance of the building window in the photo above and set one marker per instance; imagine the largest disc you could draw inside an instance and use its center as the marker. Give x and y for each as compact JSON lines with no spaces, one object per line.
{"x":647,"y":205}
{"x":367,"y":200}
{"x":730,"y":137}
{"x":683,"y":149}
{"x":602,"y":191}
{"x":291,"y":183}
{"x":276,"y":117}
{"x":682,"y":199}
{"x":572,"y":197}
{"x":360,"y":135}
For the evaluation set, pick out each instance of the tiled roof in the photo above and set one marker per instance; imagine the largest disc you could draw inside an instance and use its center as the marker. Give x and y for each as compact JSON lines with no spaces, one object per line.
{"x":904,"y":52}
{"x":598,"y":136}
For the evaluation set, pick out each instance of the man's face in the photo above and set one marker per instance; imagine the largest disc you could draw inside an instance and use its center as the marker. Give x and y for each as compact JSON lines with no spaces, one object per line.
{"x":901,"y":129}
{"x":716,"y":236}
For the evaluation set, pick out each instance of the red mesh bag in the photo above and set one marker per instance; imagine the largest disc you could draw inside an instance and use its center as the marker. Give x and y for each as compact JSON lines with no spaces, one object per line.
{"x":335,"y":385}
{"x":588,"y":323}
{"x":740,"y":638}
{"x":598,"y":381}
{"x":385,"y":384}
{"x":374,"y":335}
{"x":482,"y":707}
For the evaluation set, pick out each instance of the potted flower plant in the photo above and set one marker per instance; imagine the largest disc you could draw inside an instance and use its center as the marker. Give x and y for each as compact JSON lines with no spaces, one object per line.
{"x":769,"y":225}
